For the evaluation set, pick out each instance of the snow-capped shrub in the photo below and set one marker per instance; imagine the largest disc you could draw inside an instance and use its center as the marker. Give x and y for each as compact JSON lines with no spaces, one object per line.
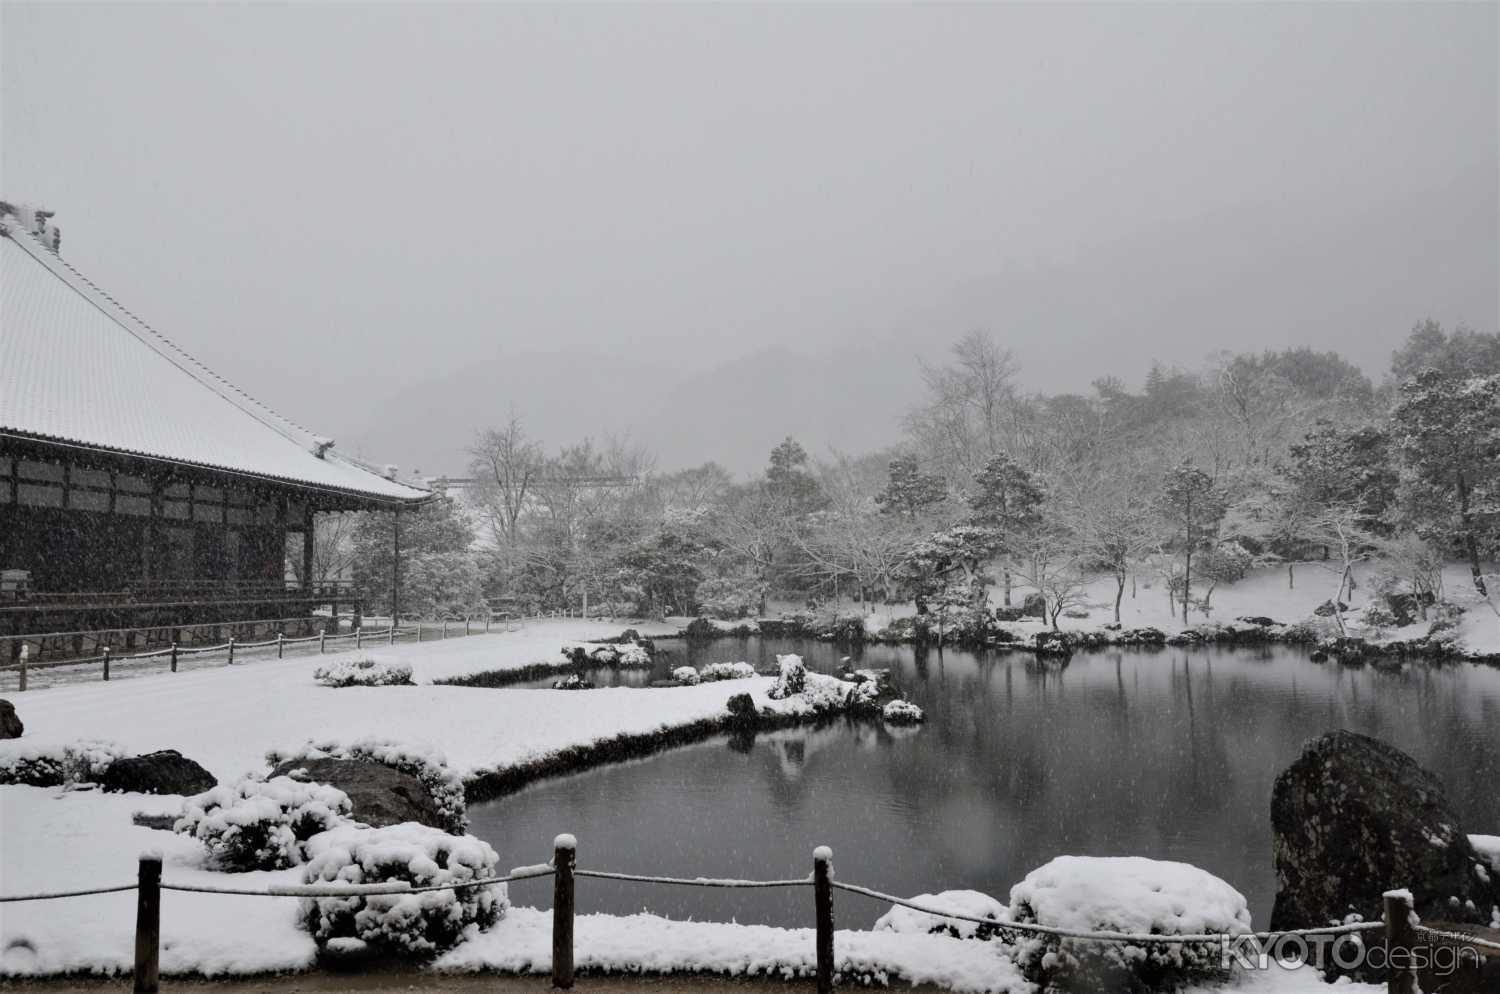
{"x":1076,"y":612}
{"x":902,"y":713}
{"x":573,"y":681}
{"x":966,"y":902}
{"x":686,"y":675}
{"x":368,"y":671}
{"x":1378,"y":616}
{"x":633,"y":654}
{"x":420,"y":925}
{"x":726,"y":671}
{"x":1126,"y":894}
{"x":791,"y":679}
{"x":729,"y":597}
{"x":428,"y":765}
{"x":262,"y":824}
{"x":52,"y":764}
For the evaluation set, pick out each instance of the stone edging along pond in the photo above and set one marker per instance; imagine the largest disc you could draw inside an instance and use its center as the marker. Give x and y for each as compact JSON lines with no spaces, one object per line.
{"x":997,"y":636}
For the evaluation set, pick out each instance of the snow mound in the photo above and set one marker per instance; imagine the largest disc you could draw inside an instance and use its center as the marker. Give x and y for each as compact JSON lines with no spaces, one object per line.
{"x":423,"y":762}
{"x":367,"y":671}
{"x":905,"y":713}
{"x":823,"y":695}
{"x":686,"y":675}
{"x":968,"y":902}
{"x":51,"y":764}
{"x":726,"y":671}
{"x":262,"y":824}
{"x":421,"y":924}
{"x":1124,"y":894}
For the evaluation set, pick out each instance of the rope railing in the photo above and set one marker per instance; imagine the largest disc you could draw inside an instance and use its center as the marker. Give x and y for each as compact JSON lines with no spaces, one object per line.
{"x":1398,"y":923}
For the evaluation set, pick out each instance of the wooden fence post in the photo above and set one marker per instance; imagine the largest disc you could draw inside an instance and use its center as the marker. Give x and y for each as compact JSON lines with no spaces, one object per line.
{"x":25,"y":657}
{"x":231,"y":650}
{"x":486,"y":624}
{"x":280,"y":644}
{"x":322,"y":638}
{"x":823,"y":901}
{"x":1401,"y":974}
{"x":419,"y":629}
{"x":564,"y":858}
{"x":390,"y":636}
{"x":106,"y":662}
{"x":466,"y":624}
{"x":147,"y":924}
{"x":359,"y":638}
{"x":174,"y":655}
{"x":445,"y":628}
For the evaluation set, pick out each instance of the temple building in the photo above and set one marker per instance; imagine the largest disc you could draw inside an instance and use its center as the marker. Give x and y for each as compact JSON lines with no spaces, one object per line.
{"x":139,"y":490}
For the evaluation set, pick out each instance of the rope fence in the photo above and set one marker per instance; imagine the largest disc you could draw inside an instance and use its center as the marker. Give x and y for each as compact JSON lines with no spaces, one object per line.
{"x":1399,"y":925}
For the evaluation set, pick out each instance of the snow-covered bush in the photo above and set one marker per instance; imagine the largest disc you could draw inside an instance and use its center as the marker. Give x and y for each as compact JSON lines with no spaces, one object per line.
{"x":52,"y":764}
{"x":902,"y":713}
{"x":426,"y":764}
{"x":729,"y":597}
{"x":1125,"y":894}
{"x":366,"y":671}
{"x":633,"y":654}
{"x":262,"y":824}
{"x":686,"y":675}
{"x":420,"y":925}
{"x":792,"y":677}
{"x":965,"y":902}
{"x":726,"y":671}
{"x":573,"y":681}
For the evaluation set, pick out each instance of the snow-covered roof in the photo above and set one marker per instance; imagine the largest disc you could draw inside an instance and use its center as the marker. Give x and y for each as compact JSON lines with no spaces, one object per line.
{"x":77,"y":367}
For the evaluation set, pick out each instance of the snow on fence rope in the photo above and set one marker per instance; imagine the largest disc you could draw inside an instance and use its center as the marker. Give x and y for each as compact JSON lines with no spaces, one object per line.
{"x":1102,"y":936}
{"x":54,"y":895}
{"x":694,"y":881}
{"x":360,"y":890}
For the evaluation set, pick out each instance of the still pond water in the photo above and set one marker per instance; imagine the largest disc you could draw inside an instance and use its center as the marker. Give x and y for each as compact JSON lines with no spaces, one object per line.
{"x":1165,"y":753}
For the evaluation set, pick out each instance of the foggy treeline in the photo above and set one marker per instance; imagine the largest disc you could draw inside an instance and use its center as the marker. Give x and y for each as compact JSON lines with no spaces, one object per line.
{"x":1191,"y":480}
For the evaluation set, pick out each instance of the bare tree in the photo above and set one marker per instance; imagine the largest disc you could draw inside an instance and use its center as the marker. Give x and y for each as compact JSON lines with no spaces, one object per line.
{"x":972,"y":408}
{"x":505,"y":464}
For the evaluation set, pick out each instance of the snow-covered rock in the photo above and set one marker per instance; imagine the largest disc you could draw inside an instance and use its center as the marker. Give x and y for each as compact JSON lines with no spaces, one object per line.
{"x":966,"y":902}
{"x":1123,"y":894}
{"x":726,"y":671}
{"x":417,"y":924}
{"x":262,"y":824}
{"x":367,"y":671}
{"x":902,"y":713}
{"x":686,"y":675}
{"x":425,"y":763}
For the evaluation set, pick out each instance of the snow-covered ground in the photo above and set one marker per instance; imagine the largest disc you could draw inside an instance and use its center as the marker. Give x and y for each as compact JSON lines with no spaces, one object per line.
{"x":57,"y":839}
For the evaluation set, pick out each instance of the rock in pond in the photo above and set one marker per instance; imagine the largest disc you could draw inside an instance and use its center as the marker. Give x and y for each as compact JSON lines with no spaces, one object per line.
{"x":1354,"y":817}
{"x":10,"y":724}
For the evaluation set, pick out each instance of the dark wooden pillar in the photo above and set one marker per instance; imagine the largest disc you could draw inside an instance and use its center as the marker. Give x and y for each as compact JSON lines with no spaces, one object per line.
{"x":396,"y":567}
{"x":307,"y":549}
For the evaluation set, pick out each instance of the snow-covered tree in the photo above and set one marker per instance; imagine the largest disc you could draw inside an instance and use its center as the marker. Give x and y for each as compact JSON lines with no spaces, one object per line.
{"x":910,"y":492}
{"x":1193,"y":505}
{"x":1448,"y":436}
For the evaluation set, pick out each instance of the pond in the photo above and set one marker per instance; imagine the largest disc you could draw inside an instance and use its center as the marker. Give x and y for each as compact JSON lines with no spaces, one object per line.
{"x":1166,"y":753}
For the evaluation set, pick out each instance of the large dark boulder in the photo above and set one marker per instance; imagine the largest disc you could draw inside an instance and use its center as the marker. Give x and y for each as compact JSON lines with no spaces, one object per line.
{"x":1354,"y":817}
{"x":1034,"y":605}
{"x":164,"y":772}
{"x":379,"y":794}
{"x":10,"y":725}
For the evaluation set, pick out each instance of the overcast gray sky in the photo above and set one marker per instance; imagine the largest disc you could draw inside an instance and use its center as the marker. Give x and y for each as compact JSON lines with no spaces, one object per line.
{"x":394,"y":223}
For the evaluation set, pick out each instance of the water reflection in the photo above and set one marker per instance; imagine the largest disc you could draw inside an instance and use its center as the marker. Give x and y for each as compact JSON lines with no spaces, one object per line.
{"x":1163,"y":753}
